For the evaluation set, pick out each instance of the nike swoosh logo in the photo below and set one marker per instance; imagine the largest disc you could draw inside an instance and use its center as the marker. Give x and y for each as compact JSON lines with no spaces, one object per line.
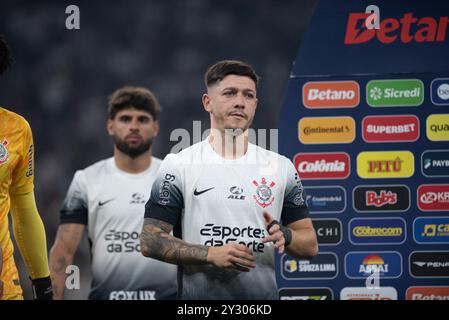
{"x":104,"y":202}
{"x":197,"y":193}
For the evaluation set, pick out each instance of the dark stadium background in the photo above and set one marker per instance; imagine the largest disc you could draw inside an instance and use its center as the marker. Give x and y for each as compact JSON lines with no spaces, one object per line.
{"x":60,"y":79}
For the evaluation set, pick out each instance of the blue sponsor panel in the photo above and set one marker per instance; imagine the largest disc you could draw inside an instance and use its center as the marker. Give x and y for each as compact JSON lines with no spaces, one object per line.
{"x":435,"y":163}
{"x":431,"y":230}
{"x":360,"y":265}
{"x":367,"y":231}
{"x":322,"y":266}
{"x":439,"y":91}
{"x":328,"y":199}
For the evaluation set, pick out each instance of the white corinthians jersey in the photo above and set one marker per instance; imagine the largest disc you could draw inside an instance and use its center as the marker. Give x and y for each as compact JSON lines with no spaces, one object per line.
{"x":111,"y":203}
{"x":223,"y":201}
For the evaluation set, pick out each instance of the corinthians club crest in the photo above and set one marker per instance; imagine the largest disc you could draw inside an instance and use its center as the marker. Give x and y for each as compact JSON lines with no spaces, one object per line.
{"x":264,"y":196}
{"x":4,"y":155}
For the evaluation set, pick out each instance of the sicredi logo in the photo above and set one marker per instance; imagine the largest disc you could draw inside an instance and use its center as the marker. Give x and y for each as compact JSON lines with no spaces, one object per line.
{"x":319,"y":130}
{"x":385,"y":164}
{"x":332,"y":165}
{"x":360,"y":265}
{"x":395,"y":93}
{"x":331,"y":94}
{"x":385,"y":198}
{"x":439,"y":91}
{"x":328,"y":199}
{"x":305,"y":294}
{"x":437,"y":127}
{"x":431,"y":230}
{"x":363,"y":293}
{"x":428,"y":293}
{"x":433,"y":197}
{"x":322,"y":266}
{"x":429,"y":264}
{"x":391,"y":128}
{"x":435,"y":163}
{"x":367,"y":231}
{"x":328,"y":231}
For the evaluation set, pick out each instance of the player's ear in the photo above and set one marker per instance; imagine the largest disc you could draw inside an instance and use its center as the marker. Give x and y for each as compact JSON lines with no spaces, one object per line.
{"x":156,"y":127}
{"x":110,"y":127}
{"x":206,"y":102}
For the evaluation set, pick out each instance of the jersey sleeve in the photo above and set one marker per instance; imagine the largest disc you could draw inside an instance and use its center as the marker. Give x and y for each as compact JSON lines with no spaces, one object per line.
{"x":166,"y":200}
{"x":75,"y":206}
{"x":23,"y":173}
{"x":294,"y":206}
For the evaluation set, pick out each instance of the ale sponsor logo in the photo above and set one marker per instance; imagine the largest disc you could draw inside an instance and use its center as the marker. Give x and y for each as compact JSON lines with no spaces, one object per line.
{"x":430,"y":264}
{"x":428,"y":293}
{"x":305,"y":294}
{"x":332,"y":165}
{"x":385,"y":164}
{"x":431,"y":230}
{"x":330,"y":94}
{"x":437,"y":127}
{"x":360,"y":265}
{"x":395,"y":93}
{"x":391,"y":128}
{"x":383,"y":198}
{"x":366,"y":231}
{"x":433,"y":197}
{"x":319,"y":130}
{"x":328,"y":199}
{"x":322,"y":266}
{"x":435,"y":163}
{"x":363,"y":293}
{"x":328,"y":231}
{"x":439,"y":91}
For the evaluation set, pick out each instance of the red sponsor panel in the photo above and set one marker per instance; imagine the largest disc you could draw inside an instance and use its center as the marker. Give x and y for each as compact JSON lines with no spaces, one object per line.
{"x":433,"y":197}
{"x":397,"y":128}
{"x":428,"y":293}
{"x":330,"y":94}
{"x":333,"y":165}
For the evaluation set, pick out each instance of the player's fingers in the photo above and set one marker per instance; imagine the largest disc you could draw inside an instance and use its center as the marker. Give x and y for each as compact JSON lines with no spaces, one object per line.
{"x":273,"y":237}
{"x":241,"y":247}
{"x":274,"y":229}
{"x":243,"y":262}
{"x":239,"y":268}
{"x":268,"y":218}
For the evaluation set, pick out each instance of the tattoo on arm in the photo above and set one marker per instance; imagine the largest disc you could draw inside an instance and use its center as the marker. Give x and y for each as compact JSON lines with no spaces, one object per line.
{"x":157,"y":242}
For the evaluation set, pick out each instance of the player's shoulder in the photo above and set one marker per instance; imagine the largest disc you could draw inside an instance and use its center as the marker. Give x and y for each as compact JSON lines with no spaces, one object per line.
{"x":185,"y":156}
{"x":268,"y":154}
{"x":96,"y":169}
{"x":13,"y":120}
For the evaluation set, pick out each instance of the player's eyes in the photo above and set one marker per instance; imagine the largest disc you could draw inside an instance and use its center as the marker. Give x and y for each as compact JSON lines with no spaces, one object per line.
{"x":125,"y":119}
{"x":144,"y":119}
{"x":250,"y":95}
{"x":229,"y":93}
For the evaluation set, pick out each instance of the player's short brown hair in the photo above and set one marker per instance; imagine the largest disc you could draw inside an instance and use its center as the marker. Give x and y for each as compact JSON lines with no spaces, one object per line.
{"x":133,"y":97}
{"x":221,"y":69}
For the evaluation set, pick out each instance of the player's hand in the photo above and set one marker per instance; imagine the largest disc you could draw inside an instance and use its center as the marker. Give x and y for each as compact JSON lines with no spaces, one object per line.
{"x":42,"y":289}
{"x":232,"y":255}
{"x":275,"y":234}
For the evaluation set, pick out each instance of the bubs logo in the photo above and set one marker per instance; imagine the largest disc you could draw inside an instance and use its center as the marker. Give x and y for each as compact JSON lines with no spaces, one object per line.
{"x":331,"y":94}
{"x":365,"y":231}
{"x":391,"y":128}
{"x":322,"y":266}
{"x":328,"y":231}
{"x":360,"y":265}
{"x":305,"y":294}
{"x":385,"y":198}
{"x":435,"y":163}
{"x":321,"y":130}
{"x":363,"y":293}
{"x":437,"y":127}
{"x":433,"y":197}
{"x":330,"y":199}
{"x":428,"y":293}
{"x":431,"y":230}
{"x":431,"y":264}
{"x":385,"y":164}
{"x":332,"y":165}
{"x":439,"y":91}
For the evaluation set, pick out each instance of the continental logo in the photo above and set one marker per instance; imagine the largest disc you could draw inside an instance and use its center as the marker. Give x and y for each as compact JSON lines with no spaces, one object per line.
{"x":332,"y":165}
{"x":401,"y":128}
{"x":385,"y":164}
{"x":437,"y":127}
{"x":377,"y":231}
{"x":331,"y":94}
{"x":326,"y":130}
{"x":428,"y":293}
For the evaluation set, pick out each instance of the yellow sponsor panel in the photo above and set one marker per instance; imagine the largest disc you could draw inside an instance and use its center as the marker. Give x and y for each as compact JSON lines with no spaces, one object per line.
{"x":437,"y":127}
{"x":385,"y":164}
{"x":319,"y":130}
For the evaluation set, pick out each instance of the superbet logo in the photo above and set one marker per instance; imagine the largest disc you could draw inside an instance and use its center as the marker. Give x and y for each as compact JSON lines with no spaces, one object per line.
{"x":372,"y":199}
{"x":406,"y":29}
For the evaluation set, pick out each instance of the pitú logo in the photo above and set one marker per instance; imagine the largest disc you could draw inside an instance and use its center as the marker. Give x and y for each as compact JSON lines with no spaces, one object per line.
{"x":435,"y":163}
{"x":391,"y":128}
{"x":385,"y":164}
{"x":439,"y":91}
{"x":332,"y":165}
{"x":331,"y":94}
{"x":433,"y":197}
{"x":395,"y":93}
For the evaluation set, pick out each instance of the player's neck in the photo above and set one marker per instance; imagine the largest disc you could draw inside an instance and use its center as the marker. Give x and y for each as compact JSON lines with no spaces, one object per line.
{"x":229,"y":146}
{"x":132,"y":165}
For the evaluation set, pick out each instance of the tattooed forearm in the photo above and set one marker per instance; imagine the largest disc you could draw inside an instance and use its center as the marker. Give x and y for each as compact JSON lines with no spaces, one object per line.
{"x":156,"y":242}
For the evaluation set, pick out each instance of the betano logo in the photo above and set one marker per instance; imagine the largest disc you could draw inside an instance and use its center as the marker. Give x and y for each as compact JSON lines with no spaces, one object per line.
{"x":331,"y":94}
{"x":391,"y":128}
{"x":332,"y":165}
{"x":428,"y":293}
{"x":437,"y":127}
{"x":321,"y":130}
{"x":385,"y":164}
{"x":395,"y":93}
{"x":406,"y":29}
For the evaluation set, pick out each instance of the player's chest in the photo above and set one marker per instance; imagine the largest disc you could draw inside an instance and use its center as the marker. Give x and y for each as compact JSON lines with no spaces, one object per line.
{"x":9,"y":157}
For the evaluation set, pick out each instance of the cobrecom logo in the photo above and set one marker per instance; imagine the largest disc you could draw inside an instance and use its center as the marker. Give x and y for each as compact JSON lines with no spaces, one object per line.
{"x":331,"y":94}
{"x":332,"y":165}
{"x":395,"y":93}
{"x":365,"y":231}
{"x":319,"y":130}
{"x":385,"y":164}
{"x":391,"y":128}
{"x":437,"y":127}
{"x":439,"y":92}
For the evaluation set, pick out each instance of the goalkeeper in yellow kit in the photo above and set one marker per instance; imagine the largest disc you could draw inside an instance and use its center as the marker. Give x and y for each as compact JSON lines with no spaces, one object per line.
{"x":17,"y":197}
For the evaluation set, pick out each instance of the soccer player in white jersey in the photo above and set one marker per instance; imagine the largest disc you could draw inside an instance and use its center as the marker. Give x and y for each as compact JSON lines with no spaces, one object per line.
{"x":235,"y":202}
{"x":108,"y":198}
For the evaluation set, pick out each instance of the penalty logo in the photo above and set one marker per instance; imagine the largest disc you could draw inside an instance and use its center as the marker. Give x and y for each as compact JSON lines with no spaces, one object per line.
{"x":264,"y":196}
{"x":4,"y":155}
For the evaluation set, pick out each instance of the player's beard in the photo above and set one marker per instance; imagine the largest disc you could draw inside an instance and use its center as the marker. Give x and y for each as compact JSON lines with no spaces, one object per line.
{"x":132,"y":151}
